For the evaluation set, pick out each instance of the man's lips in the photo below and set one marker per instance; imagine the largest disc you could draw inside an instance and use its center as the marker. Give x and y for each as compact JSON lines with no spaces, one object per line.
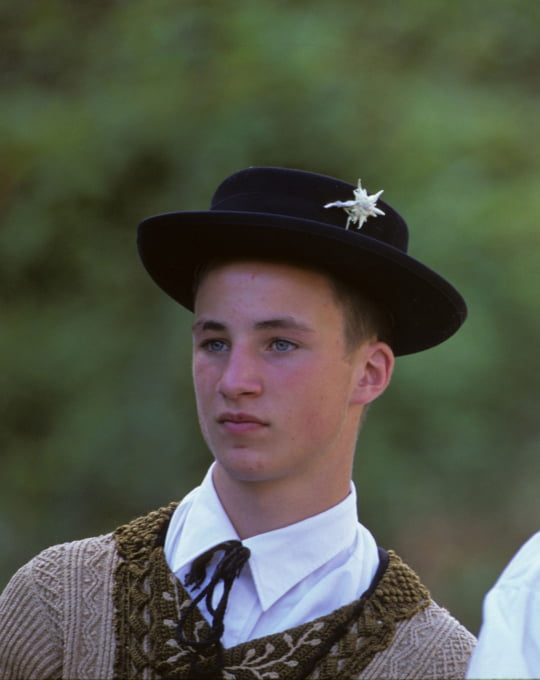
{"x":240,"y":422}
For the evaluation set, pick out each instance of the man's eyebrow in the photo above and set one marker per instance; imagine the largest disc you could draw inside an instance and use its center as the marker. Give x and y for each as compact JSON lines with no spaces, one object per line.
{"x":284,"y":323}
{"x":280,"y":323}
{"x":208,"y":325}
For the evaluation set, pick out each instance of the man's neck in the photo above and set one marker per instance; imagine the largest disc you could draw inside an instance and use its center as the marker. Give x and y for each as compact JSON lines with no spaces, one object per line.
{"x":258,"y":507}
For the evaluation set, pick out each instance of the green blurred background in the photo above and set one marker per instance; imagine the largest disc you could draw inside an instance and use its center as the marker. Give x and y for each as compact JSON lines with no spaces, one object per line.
{"x":112,"y":110}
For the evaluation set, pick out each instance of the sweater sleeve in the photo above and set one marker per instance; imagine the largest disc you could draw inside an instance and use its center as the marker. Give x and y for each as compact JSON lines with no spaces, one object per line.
{"x":57,"y":615}
{"x":430,"y":645}
{"x":29,"y":643}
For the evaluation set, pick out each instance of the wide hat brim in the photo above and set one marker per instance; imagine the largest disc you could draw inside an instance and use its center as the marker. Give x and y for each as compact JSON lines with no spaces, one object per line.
{"x":425,"y":309}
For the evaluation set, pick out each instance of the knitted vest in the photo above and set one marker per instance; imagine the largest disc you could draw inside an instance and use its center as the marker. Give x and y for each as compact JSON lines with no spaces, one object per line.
{"x":148,"y":600}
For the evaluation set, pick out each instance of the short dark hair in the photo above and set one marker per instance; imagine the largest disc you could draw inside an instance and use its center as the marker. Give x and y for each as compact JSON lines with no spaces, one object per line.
{"x":364,"y":319}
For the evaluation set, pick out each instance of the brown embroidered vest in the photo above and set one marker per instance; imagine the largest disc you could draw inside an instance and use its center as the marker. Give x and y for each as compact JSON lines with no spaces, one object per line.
{"x":148,"y":599}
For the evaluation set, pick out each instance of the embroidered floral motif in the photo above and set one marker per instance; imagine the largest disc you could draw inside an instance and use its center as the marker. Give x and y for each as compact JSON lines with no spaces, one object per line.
{"x":260,"y":666}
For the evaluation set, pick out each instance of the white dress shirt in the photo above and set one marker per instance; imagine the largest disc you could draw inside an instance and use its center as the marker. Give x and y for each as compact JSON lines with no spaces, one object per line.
{"x":294,"y":574}
{"x":509,"y":640}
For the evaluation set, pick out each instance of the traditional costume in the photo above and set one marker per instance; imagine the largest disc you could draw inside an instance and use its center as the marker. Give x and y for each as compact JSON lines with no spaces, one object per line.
{"x":109,"y":607}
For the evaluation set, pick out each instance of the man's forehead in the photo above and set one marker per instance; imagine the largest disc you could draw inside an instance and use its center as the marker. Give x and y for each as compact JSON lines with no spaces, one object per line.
{"x":256,"y":265}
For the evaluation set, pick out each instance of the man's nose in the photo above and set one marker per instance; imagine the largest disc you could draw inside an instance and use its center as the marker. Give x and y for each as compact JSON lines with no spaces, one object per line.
{"x":241,"y":375}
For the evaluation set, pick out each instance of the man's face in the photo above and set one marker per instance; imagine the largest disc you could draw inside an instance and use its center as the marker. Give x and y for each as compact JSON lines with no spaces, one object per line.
{"x":272,"y":379}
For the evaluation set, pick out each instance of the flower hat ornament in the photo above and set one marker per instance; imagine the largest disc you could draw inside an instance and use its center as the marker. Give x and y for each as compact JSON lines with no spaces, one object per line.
{"x":360,"y":208}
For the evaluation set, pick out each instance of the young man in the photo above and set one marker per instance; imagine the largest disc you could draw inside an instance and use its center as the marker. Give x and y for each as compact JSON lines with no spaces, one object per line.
{"x":302,"y":293}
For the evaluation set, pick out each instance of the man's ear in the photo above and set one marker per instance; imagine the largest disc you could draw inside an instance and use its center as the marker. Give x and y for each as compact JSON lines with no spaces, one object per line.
{"x":374,"y":370}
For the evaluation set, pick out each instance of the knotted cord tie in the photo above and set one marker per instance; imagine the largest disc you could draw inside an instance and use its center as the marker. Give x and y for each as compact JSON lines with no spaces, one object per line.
{"x":226,"y":571}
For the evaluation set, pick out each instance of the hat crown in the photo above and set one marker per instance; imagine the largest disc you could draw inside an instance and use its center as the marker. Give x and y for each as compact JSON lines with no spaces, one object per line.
{"x":303,"y":195}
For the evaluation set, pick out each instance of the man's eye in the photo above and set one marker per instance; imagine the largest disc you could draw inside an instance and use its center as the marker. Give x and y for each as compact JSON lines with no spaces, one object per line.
{"x":214,"y":345}
{"x":280,"y":345}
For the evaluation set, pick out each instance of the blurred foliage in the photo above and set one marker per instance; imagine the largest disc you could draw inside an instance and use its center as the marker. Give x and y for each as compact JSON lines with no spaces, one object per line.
{"x":114,"y":110}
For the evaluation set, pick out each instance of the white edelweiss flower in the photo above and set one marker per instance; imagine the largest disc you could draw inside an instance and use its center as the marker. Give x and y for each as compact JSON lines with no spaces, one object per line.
{"x":360,"y":208}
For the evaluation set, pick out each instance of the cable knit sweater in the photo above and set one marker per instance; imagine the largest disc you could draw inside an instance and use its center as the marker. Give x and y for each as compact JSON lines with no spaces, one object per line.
{"x":108,"y":607}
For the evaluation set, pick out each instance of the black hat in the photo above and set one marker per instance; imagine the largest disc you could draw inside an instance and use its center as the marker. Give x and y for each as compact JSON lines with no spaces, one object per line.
{"x":312,"y":219}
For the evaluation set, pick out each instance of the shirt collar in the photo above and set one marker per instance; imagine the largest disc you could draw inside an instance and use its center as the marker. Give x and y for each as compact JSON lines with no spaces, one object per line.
{"x":198,"y":524}
{"x":292,"y":552}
